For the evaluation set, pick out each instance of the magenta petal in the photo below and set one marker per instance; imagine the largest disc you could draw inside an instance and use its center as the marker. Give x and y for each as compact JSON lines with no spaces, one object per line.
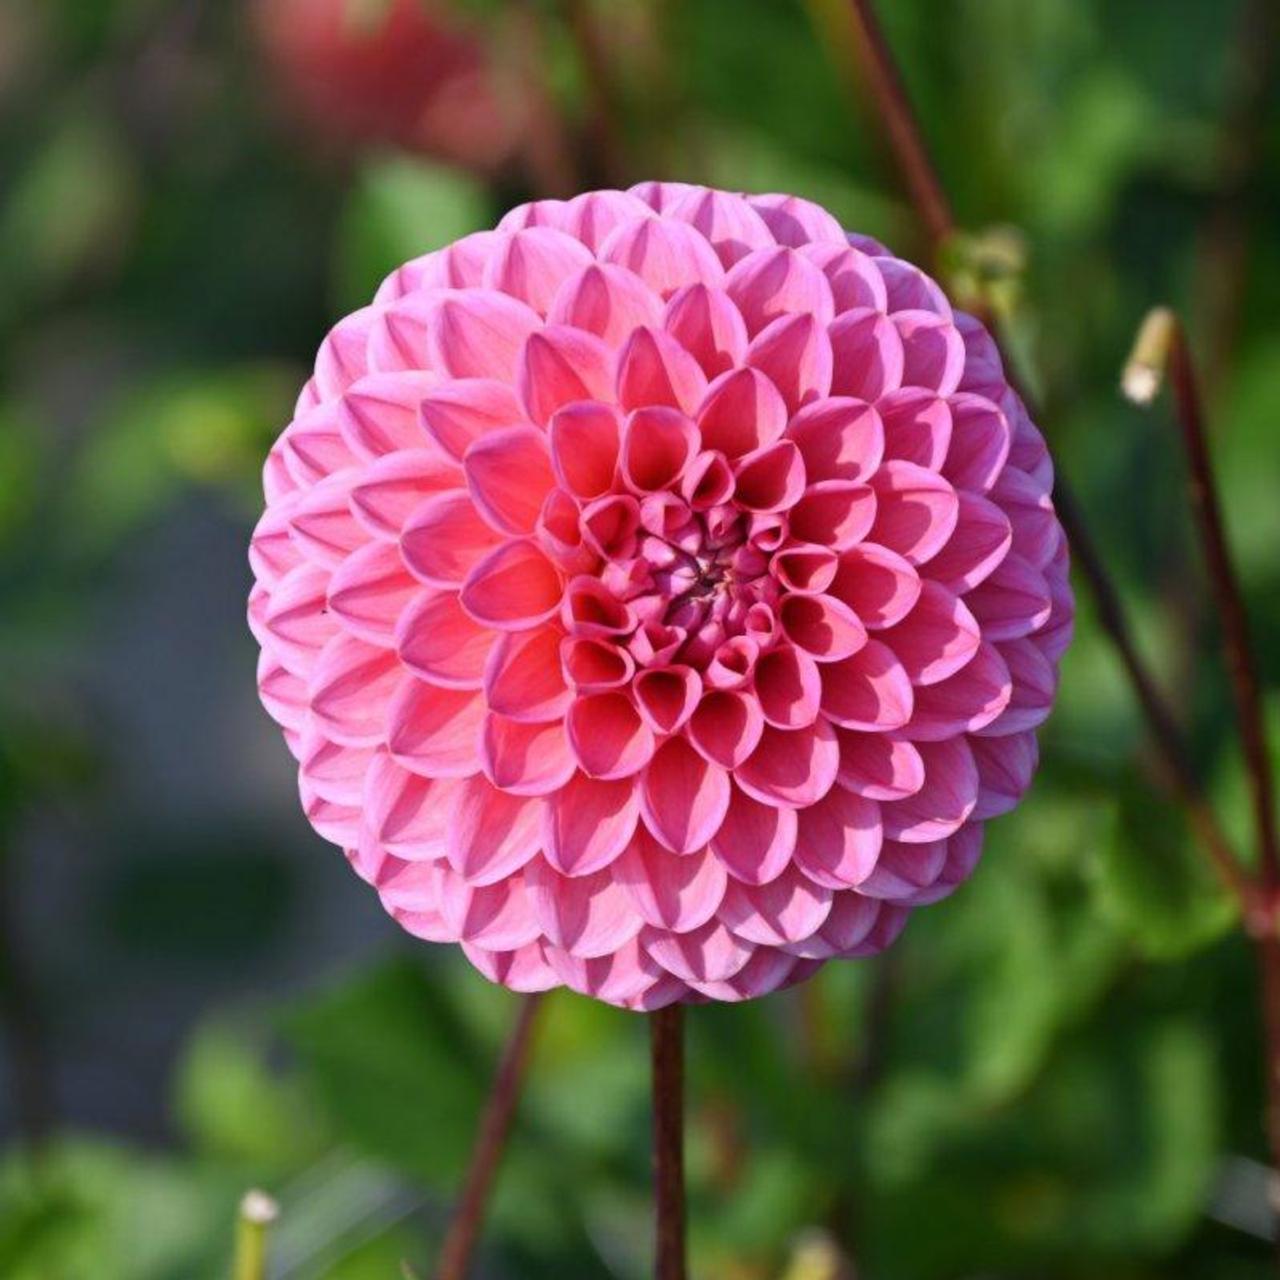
{"x":594,"y":665}
{"x":585,"y":440}
{"x":709,"y":953}
{"x":904,"y":871}
{"x":786,"y":909}
{"x":980,"y":443}
{"x":834,"y":513}
{"x":658,"y":444}
{"x":839,"y":438}
{"x":909,"y":289}
{"x":794,"y":353}
{"x":853,"y":277}
{"x":608,"y":301}
{"x":868,"y":355}
{"x":479,"y":333}
{"x":869,"y":691}
{"x":839,"y":839}
{"x":560,"y":365}
{"x":444,"y":538}
{"x":947,"y":798}
{"x":775,"y":282}
{"x":1036,"y":532}
{"x":523,"y":680}
{"x":509,"y":475}
{"x":435,"y":732}
{"x":731,"y":226}
{"x":742,"y":412}
{"x":806,"y":570}
{"x":852,"y":923}
{"x":438,"y":641}
{"x":683,"y":798}
{"x":978,"y":543}
{"x":708,"y":326}
{"x":726,"y":727}
{"x":654,"y":369}
{"x":513,"y":588}
{"x":588,"y":824}
{"x":878,"y":766}
{"x":1035,"y":681}
{"x":933,"y":351}
{"x":1005,"y":768}
{"x":771,"y":479}
{"x":788,"y":687}
{"x":769,"y":969}
{"x":608,"y":737}
{"x":756,"y":840}
{"x":1014,"y":601}
{"x":824,"y":627}
{"x":585,"y":915}
{"x":916,"y":510}
{"x":665,"y":254}
{"x":795,"y":221}
{"x":937,"y":638}
{"x":491,"y":834}
{"x":917,"y":427}
{"x":964,"y":702}
{"x":667,"y":696}
{"x":525,"y":759}
{"x":670,"y":892}
{"x":792,"y":767}
{"x":877,"y":584}
{"x":456,"y":414}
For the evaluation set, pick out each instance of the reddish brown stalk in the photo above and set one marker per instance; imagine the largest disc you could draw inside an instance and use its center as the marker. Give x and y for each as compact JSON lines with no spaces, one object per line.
{"x":495,"y":1123}
{"x":548,"y":147}
{"x":666,"y":1028}
{"x":604,"y":130}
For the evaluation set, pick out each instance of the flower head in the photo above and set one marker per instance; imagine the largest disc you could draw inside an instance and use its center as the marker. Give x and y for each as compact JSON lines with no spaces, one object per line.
{"x":659,"y":593}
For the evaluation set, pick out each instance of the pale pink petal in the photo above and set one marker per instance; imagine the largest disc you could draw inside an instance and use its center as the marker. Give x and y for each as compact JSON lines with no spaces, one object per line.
{"x":525,"y":969}
{"x":495,"y":917}
{"x":792,"y":767}
{"x":794,"y":353}
{"x":608,"y":737}
{"x":786,"y":909}
{"x":523,"y":680}
{"x":709,"y":953}
{"x":627,"y":976}
{"x":732,"y":227}
{"x":391,"y":489}
{"x":788,"y":687}
{"x":726,"y":727}
{"x":667,"y":696}
{"x":379,"y":414}
{"x":665,"y":254}
{"x":742,"y":413}
{"x":824,"y":627}
{"x":658,"y":443}
{"x":947,"y":798}
{"x":283,"y":694}
{"x":457,"y":413}
{"x":937,"y":638}
{"x":878,"y":766}
{"x":585,"y":915}
{"x":459,"y":266}
{"x":313,"y":446}
{"x":683,"y":797}
{"x":916,"y":510}
{"x":877,"y":584}
{"x":870,"y":690}
{"x":444,"y":538}
{"x":297,"y":617}
{"x":535,"y":213}
{"x":479,"y":333}
{"x":964,"y":702}
{"x":513,"y":588}
{"x":589,"y":823}
{"x":777,"y":281}
{"x":980,"y":540}
{"x":508,"y":476}
{"x":337,"y":823}
{"x":271,"y":550}
{"x":525,"y":759}
{"x":434,"y":731}
{"x":608,"y":301}
{"x":405,"y":812}
{"x":559,"y":365}
{"x":332,"y":771}
{"x":594,"y":214}
{"x":321,"y":523}
{"x":1013,"y":601}
{"x":439,"y":642}
{"x":654,"y":369}
{"x":834,"y":513}
{"x":868,"y":354}
{"x":491,"y":834}
{"x":771,"y":478}
{"x":756,"y":841}
{"x":795,"y":221}
{"x":532,"y":264}
{"x":342,"y":357}
{"x":412,"y":893}
{"x":351,"y":690}
{"x":670,"y":892}
{"x":839,"y":439}
{"x":369,"y":591}
{"x":707,"y":325}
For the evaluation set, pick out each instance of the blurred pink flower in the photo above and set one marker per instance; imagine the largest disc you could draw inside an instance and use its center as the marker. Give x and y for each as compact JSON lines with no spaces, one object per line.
{"x":659,"y":594}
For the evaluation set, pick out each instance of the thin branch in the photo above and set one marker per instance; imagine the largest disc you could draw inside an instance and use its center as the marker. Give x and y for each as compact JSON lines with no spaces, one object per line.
{"x":549,"y":146}
{"x":604,"y":128}
{"x":666,"y":1028}
{"x":495,"y":1123}
{"x":1162,"y":342}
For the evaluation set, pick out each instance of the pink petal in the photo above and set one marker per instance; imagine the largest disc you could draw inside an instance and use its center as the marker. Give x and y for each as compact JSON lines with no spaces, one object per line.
{"x":683,"y":798}
{"x":916,"y":511}
{"x":794,"y":353}
{"x":933,"y":351}
{"x":491,"y":834}
{"x":917,"y":427}
{"x":756,"y":841}
{"x":590,"y":609}
{"x":321,"y":523}
{"x":341,"y":359}
{"x":297,"y":616}
{"x":909,"y":289}
{"x":795,"y":221}
{"x":523,"y":680}
{"x":531,"y":265}
{"x":768,"y":970}
{"x":833,"y":513}
{"x":654,"y":369}
{"x":1036,"y":531}
{"x":877,"y":584}
{"x":793,"y":767}
{"x":559,"y":365}
{"x":708,"y":326}
{"x":405,"y":812}
{"x":904,"y":871}
{"x":731,"y":226}
{"x":870,"y":690}
{"x":947,"y":798}
{"x":788,"y":688}
{"x":980,"y":442}
{"x":379,"y":414}
{"x":509,"y":475}
{"x":444,"y":539}
{"x":658,"y":443}
{"x":392,"y":488}
{"x":607,"y":301}
{"x":667,"y":696}
{"x":877,"y":766}
{"x":867,"y":352}
{"x":670,"y":892}
{"x":479,"y":333}
{"x":806,"y":570}
{"x":456,"y":414}
{"x":851,"y":923}
{"x":726,"y":727}
{"x":664,"y":253}
{"x":525,"y":969}
{"x":412,"y":893}
{"x":369,"y":591}
{"x":560,"y":535}
{"x":333,"y":771}
{"x":742,"y":412}
{"x":854,"y":279}
{"x":608,"y":737}
{"x":1035,"y":682}
{"x":1013,"y":601}
{"x":824,"y":627}
{"x":708,"y":482}
{"x":775,"y":282}
{"x":838,"y":841}
{"x":965,"y":702}
{"x":313,"y":446}
{"x":439,"y":642}
{"x":839,"y":439}
{"x":771,"y":479}
{"x":459,"y":266}
{"x":589,"y":823}
{"x":351,"y":690}
{"x":525,"y":759}
{"x":594,"y":214}
{"x":283,"y":694}
{"x":937,"y":638}
{"x":786,"y":909}
{"x":595,"y":665}
{"x":496,"y":917}
{"x":271,"y":550}
{"x":433,"y":731}
{"x":733,"y":662}
{"x":1005,"y":768}
{"x":513,"y":588}
{"x":978,"y":543}
{"x":586,"y":915}
{"x":709,"y":953}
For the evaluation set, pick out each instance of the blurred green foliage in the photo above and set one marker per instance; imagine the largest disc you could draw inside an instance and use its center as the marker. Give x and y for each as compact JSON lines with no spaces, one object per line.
{"x":1049,"y":1075}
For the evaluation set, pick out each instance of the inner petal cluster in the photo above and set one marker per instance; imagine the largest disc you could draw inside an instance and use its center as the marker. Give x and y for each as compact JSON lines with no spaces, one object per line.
{"x":659,"y":593}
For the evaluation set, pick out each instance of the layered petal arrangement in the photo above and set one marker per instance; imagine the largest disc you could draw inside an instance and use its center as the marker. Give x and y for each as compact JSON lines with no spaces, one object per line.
{"x":659,"y":593}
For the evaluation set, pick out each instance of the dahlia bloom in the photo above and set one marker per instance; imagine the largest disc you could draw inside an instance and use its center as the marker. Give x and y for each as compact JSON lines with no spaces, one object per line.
{"x":659,"y":593}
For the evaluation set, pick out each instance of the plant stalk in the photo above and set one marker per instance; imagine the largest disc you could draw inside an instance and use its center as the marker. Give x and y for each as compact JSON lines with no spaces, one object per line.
{"x":667,"y":1053}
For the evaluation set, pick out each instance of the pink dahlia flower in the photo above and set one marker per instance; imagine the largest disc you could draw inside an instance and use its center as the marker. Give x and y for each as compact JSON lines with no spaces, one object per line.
{"x":659,"y":593}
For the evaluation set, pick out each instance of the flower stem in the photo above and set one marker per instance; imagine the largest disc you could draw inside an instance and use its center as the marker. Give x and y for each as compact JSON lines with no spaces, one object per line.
{"x":667,"y":1053}
{"x":495,"y":1123}
{"x":257,"y":1212}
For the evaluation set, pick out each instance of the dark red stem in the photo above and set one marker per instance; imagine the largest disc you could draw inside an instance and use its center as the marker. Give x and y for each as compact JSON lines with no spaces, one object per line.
{"x":666,"y":1028}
